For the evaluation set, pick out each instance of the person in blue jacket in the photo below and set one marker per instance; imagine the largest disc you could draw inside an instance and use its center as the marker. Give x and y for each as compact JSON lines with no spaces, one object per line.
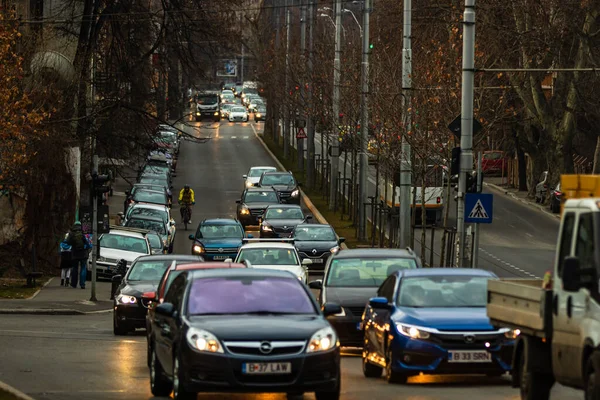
{"x":65,"y":262}
{"x":80,"y":246}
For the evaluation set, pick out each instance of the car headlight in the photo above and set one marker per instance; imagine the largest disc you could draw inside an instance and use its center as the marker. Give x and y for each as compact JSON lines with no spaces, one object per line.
{"x":412,"y":332}
{"x":295,"y":193}
{"x":249,"y":184}
{"x":198,"y":249}
{"x":126,"y":299}
{"x":244,"y":211}
{"x":512,"y":334}
{"x":258,"y":115}
{"x":202,"y":340}
{"x":266,"y":228}
{"x":323,"y":340}
{"x":335,"y":249}
{"x":216,"y":113}
{"x":197,"y":113}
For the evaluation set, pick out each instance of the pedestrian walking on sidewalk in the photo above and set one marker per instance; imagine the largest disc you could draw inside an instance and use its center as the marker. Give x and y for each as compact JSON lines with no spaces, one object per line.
{"x":66,"y":262}
{"x":80,"y":246}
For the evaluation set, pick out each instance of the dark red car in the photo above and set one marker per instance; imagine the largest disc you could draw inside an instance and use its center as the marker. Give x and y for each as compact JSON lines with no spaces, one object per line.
{"x":494,"y":162}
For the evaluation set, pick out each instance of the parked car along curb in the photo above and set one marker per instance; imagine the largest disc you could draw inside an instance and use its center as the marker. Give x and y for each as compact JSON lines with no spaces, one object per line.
{"x":506,"y":192}
{"x":309,"y":204}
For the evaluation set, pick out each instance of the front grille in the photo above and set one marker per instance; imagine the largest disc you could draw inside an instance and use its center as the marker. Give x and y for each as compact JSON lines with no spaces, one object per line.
{"x":277,"y":348}
{"x":289,"y":229}
{"x":458,"y":341}
{"x":356,"y":311}
{"x":224,"y":250}
{"x":317,"y":254}
{"x":257,"y":212}
{"x":285,"y":195}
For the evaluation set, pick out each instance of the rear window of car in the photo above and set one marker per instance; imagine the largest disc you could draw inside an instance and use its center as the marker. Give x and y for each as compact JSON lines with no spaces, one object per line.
{"x":365,"y":272}
{"x":125,"y":243}
{"x":150,"y":197}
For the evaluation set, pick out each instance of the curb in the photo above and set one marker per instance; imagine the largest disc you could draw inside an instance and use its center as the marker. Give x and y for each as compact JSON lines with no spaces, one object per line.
{"x":507,"y":193}
{"x":40,"y":289}
{"x":309,"y":204}
{"x":5,"y":388}
{"x":48,"y":311}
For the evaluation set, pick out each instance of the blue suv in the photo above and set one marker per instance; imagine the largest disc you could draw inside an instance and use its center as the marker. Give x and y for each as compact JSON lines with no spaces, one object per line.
{"x":218,"y":239}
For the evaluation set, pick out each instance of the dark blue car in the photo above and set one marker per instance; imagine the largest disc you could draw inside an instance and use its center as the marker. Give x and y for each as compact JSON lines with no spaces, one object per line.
{"x":433,"y":321}
{"x":218,"y":239}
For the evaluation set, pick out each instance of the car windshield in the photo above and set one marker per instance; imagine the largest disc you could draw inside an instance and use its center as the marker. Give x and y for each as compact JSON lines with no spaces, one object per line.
{"x":153,"y":181}
{"x":248,"y":295}
{"x":228,"y":96}
{"x":443,"y":291}
{"x":261,"y":109}
{"x":269,"y":256}
{"x":148,"y":212}
{"x":365,"y":272}
{"x":161,"y":170}
{"x":284,"y":213}
{"x":125,"y":243}
{"x":169,"y":137}
{"x":155,"y":241}
{"x":238,"y":109}
{"x":208,"y":99}
{"x":277,"y":179}
{"x":147,"y":187}
{"x":226,"y":106}
{"x":261,"y":197}
{"x":151,"y":225}
{"x":257,"y":172}
{"x":314,"y":233}
{"x":147,"y":196}
{"x":219,"y":231}
{"x":148,"y":270}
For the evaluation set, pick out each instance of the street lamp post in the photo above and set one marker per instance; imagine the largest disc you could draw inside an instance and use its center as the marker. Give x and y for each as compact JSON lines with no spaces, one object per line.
{"x":355,"y":20}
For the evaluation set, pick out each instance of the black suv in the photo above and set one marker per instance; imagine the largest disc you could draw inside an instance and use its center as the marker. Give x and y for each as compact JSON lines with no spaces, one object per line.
{"x":316,"y":242}
{"x":253,"y":204}
{"x":284,"y":183}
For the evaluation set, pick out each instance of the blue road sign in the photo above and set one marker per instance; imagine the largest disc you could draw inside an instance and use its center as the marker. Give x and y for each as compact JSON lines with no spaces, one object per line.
{"x":479,"y":208}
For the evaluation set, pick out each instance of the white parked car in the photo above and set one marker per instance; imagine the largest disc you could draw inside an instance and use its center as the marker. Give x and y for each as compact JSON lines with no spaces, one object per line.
{"x":254,"y":174}
{"x":238,"y":113}
{"x":120,"y":244}
{"x":274,"y":255}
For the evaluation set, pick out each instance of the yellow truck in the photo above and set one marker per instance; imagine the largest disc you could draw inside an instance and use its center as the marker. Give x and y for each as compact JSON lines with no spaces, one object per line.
{"x":558,"y":317}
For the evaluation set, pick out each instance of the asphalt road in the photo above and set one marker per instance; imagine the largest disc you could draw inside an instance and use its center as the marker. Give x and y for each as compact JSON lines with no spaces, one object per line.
{"x":77,"y":357}
{"x":519,"y":243}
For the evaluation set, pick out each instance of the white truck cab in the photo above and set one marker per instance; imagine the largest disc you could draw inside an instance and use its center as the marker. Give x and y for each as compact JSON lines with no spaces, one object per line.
{"x":559,"y":319}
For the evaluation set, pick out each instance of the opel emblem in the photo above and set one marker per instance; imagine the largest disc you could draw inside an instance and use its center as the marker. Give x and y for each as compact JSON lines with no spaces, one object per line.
{"x":220,"y":249}
{"x":469,"y":339}
{"x":284,"y":227}
{"x":314,"y":251}
{"x":265,"y":348}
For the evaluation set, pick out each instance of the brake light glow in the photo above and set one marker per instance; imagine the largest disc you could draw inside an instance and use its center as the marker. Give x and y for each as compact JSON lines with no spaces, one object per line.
{"x":439,"y":200}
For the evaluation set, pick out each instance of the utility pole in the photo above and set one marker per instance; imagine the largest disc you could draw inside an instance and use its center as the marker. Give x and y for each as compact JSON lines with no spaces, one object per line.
{"x":94,"y":224}
{"x":300,"y":142}
{"x":286,"y":117}
{"x":404,"y":219}
{"x":479,"y":188}
{"x":277,"y":110}
{"x":466,"y":138}
{"x":310,"y":126}
{"x":364,"y":134}
{"x":335,"y":145}
{"x":242,"y":69}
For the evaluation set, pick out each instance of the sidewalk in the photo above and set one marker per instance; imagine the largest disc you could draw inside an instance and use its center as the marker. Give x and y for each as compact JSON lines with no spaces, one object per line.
{"x":496,"y":182}
{"x":53,"y":299}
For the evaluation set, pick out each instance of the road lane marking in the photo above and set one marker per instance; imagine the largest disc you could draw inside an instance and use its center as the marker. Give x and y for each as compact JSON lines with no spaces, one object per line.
{"x":509,"y":264}
{"x":233,"y":137}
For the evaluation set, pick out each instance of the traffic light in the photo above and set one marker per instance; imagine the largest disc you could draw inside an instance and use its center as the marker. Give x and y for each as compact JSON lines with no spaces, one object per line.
{"x":371,"y":46}
{"x":98,"y":184}
{"x":455,"y":162}
{"x":341,"y":117}
{"x":472,"y":182}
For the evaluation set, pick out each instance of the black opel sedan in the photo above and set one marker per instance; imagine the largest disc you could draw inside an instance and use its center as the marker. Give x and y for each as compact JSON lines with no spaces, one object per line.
{"x":144,"y":275}
{"x":285,"y":184}
{"x":243,"y":330}
{"x":253,"y":204}
{"x":316,"y":242}
{"x":279,"y":221}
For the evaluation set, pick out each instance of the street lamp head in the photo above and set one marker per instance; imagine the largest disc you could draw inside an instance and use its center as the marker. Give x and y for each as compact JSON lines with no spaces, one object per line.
{"x":323,"y":15}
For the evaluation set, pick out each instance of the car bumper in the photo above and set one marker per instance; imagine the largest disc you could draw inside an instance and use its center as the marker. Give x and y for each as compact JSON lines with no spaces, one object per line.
{"x":103,"y":269}
{"x":218,"y":256}
{"x":275,"y":235}
{"x":318,"y":263}
{"x":348,"y":330}
{"x":223,"y":373}
{"x":248,"y":219}
{"x":132,"y":315}
{"x":414,"y":357}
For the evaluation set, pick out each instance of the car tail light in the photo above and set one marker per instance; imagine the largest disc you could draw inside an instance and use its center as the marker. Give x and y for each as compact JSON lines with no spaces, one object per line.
{"x":439,"y":200}
{"x":556,"y":192}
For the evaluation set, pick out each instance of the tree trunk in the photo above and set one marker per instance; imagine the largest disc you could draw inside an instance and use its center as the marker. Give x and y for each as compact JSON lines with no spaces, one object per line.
{"x":423,"y":223}
{"x":596,"y":168}
{"x":522,"y":163}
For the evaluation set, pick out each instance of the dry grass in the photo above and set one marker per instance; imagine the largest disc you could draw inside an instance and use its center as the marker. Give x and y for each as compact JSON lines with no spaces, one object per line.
{"x":17,"y":288}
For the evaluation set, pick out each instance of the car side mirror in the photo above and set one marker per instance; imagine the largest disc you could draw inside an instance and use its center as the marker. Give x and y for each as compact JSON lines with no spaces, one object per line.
{"x":192,"y":237}
{"x":250,"y":236}
{"x":574,"y":277}
{"x":342,"y":240}
{"x":166,"y":309}
{"x":128,"y":193}
{"x":245,"y":176}
{"x":379,"y":302}
{"x":309,"y":217}
{"x":307,"y":261}
{"x":238,"y":201}
{"x":331,"y":309}
{"x":318,"y":284}
{"x":149,"y":296}
{"x":171,"y":187}
{"x":117,"y":278}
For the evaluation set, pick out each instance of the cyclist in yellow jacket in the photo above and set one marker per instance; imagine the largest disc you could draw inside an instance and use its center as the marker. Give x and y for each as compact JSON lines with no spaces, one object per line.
{"x":186,"y":198}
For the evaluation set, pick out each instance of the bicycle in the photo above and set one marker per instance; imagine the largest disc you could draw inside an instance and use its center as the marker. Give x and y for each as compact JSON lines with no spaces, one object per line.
{"x":186,"y":213}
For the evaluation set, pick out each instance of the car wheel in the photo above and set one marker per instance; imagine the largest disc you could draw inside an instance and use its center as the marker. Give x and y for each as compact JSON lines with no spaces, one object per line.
{"x":392,"y":376}
{"x":370,"y":370}
{"x":533,"y":385}
{"x":159,"y":384}
{"x":179,"y":392}
{"x":119,"y":330}
{"x":592,"y":382}
{"x":330,"y":395}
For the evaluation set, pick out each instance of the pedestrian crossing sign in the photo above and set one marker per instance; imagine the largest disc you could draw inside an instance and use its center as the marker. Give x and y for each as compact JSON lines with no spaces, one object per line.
{"x":479,"y":208}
